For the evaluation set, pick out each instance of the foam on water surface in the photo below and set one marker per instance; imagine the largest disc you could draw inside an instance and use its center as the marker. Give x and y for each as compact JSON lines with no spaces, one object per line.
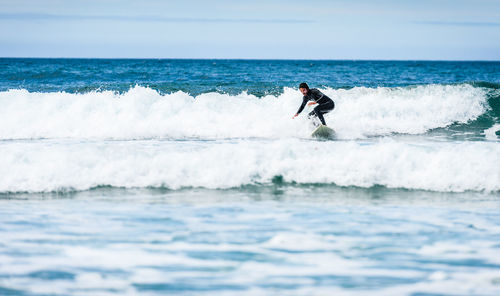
{"x":161,"y":244}
{"x":50,"y":165}
{"x":144,"y":113}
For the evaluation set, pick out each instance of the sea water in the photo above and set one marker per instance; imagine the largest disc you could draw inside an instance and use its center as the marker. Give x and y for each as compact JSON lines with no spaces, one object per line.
{"x":190,"y":177}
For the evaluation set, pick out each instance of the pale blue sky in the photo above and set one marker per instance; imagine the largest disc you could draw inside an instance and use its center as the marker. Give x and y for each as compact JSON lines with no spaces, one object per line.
{"x":271,"y":29}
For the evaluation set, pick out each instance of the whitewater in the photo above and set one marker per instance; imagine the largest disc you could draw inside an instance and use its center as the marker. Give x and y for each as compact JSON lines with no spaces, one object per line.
{"x":142,"y":113}
{"x":141,"y":138}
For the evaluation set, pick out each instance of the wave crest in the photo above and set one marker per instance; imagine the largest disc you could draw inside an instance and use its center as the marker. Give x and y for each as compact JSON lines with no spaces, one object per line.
{"x":42,"y":166}
{"x":144,"y":113}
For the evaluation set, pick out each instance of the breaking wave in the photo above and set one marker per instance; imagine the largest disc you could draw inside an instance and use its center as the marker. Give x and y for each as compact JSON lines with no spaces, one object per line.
{"x":142,"y":113}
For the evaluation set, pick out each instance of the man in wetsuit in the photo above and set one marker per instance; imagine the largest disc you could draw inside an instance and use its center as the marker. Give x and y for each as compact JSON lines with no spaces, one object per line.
{"x":325,"y":104}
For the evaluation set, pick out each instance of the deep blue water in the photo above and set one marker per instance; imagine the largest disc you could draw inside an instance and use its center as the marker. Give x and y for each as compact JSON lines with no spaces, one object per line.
{"x":258,"y":77}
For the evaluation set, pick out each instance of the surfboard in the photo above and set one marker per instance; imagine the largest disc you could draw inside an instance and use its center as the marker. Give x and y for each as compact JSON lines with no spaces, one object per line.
{"x":323,"y":132}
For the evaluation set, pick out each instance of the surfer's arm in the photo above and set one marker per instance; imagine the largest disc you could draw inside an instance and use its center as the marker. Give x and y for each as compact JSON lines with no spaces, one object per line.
{"x":311,"y":103}
{"x":304,"y":101}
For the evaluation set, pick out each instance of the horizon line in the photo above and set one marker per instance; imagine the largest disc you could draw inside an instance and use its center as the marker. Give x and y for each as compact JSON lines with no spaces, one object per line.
{"x":256,"y":59}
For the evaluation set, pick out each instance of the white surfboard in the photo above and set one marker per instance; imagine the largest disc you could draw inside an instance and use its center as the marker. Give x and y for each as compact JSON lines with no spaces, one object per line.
{"x":323,"y":132}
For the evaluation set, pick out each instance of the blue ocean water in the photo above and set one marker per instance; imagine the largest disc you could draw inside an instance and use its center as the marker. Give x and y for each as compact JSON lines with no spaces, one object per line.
{"x":258,"y":77}
{"x":190,"y":177}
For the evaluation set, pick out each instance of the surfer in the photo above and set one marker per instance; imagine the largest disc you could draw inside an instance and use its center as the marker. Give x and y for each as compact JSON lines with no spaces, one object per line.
{"x":325,"y":104}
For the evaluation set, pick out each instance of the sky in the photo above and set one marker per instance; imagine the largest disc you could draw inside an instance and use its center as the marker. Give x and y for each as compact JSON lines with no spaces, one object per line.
{"x":257,"y":29}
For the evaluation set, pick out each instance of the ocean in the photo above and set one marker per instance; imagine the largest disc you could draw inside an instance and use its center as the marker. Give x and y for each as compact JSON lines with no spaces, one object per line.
{"x":190,"y":177}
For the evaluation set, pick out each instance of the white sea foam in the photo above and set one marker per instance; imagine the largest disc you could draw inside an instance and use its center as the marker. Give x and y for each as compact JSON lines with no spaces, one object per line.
{"x":144,"y":113}
{"x":491,"y":133}
{"x":76,"y":157}
{"x":52,"y":165}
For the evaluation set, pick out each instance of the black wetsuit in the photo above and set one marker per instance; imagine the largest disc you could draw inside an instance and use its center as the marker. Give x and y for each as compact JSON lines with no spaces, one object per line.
{"x":325,"y":104}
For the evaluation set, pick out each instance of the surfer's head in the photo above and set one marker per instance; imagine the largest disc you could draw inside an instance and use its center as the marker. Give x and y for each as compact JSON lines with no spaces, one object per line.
{"x":304,"y":88}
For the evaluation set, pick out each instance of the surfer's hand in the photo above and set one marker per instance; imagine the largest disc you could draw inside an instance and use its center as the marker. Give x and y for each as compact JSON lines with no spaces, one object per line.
{"x":311,"y":103}
{"x":295,"y":116}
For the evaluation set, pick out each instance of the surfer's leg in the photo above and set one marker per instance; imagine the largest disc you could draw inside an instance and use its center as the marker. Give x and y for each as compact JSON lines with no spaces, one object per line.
{"x":323,"y":109}
{"x":320,"y":116}
{"x":319,"y":111}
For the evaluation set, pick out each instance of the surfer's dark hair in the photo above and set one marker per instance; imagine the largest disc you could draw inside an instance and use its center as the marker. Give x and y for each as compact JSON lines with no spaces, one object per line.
{"x":304,"y":85}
